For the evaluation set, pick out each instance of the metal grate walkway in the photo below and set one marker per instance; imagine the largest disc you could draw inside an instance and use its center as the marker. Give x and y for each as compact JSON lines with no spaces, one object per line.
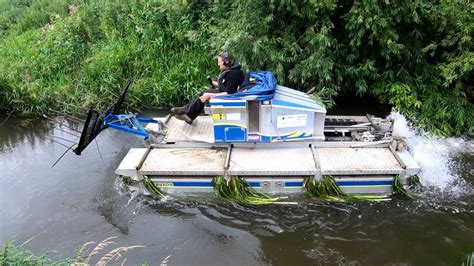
{"x":284,"y":161}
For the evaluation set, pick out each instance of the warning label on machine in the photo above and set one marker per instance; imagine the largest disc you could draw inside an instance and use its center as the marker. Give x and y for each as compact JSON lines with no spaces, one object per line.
{"x":291,"y":121}
{"x":218,"y":116}
{"x":233,"y":116}
{"x":228,"y":116}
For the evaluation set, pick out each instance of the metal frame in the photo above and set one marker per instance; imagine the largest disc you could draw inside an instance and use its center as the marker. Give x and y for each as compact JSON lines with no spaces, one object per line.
{"x":128,"y":123}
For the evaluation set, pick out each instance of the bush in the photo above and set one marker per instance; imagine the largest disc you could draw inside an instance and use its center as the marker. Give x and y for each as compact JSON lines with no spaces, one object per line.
{"x":417,"y":56}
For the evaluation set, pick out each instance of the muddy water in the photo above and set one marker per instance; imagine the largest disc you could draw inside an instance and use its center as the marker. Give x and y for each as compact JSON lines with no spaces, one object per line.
{"x":80,"y":200}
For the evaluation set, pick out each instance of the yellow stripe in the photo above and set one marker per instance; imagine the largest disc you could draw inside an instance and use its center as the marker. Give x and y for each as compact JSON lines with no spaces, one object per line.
{"x":290,"y":134}
{"x":296,"y":134}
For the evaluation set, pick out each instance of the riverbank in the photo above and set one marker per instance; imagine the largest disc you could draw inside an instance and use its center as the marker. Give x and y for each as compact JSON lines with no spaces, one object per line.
{"x":83,"y":52}
{"x":18,"y":255}
{"x":91,"y":253}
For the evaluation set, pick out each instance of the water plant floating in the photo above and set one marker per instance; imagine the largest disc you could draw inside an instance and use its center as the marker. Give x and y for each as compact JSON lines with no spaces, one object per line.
{"x":325,"y":189}
{"x":399,"y":189}
{"x":127,"y":180}
{"x":328,"y":189}
{"x":414,"y":182}
{"x":152,"y":188}
{"x":238,"y":190}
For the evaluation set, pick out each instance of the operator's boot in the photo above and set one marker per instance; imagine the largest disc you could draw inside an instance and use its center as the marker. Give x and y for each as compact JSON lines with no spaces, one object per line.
{"x":184,"y":117}
{"x":178,"y":110}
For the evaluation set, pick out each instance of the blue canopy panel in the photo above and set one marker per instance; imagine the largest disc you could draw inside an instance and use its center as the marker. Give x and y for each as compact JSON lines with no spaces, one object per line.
{"x":264,"y":90}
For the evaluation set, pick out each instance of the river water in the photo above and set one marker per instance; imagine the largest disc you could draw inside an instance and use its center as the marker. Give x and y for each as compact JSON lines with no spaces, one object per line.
{"x":81,"y":202}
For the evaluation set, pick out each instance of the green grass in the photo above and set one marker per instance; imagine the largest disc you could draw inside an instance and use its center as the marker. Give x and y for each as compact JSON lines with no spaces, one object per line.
{"x":17,"y":255}
{"x":103,"y":253}
{"x":84,"y":57}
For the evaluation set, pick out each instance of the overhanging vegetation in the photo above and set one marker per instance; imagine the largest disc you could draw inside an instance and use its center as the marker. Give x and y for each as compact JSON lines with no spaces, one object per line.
{"x":415,"y":55}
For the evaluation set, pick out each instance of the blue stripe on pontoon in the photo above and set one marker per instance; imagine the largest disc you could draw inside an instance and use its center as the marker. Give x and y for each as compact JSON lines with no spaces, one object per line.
{"x":254,"y":184}
{"x":192,"y":184}
{"x":293,"y":184}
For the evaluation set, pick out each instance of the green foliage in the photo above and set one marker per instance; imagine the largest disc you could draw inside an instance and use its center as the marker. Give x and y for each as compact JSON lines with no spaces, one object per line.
{"x":22,"y":15}
{"x":17,"y":255}
{"x":415,"y":55}
{"x":11,"y":254}
{"x":85,"y":56}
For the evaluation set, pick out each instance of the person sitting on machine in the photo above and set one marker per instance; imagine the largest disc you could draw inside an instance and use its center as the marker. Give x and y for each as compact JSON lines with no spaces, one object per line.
{"x":230,"y":78}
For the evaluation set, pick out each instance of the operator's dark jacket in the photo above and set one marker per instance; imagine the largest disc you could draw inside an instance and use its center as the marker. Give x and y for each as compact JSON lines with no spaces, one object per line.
{"x":229,"y":81}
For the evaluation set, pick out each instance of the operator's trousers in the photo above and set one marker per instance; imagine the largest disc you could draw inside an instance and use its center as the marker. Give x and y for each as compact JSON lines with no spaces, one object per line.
{"x":194,"y":108}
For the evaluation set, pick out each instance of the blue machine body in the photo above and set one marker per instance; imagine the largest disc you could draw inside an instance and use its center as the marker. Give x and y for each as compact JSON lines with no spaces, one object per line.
{"x":267,"y":112}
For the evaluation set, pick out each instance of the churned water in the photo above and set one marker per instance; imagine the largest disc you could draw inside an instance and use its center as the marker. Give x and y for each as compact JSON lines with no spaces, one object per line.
{"x":81,"y":201}
{"x":444,"y":161}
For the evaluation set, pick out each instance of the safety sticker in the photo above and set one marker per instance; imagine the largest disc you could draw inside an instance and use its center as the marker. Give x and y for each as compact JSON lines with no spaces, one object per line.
{"x":218,"y":116}
{"x":233,"y":116}
{"x":284,"y":121}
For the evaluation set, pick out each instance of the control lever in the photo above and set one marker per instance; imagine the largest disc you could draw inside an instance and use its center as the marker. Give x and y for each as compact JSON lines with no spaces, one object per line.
{"x":210,"y":81}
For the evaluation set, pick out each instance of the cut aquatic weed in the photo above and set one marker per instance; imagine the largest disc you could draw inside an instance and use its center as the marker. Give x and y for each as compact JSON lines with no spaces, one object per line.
{"x":152,"y":188}
{"x":325,"y":189}
{"x":469,"y":261}
{"x":414,"y":182}
{"x":399,"y":189}
{"x":328,"y":189}
{"x":127,"y":180}
{"x":236,"y":189}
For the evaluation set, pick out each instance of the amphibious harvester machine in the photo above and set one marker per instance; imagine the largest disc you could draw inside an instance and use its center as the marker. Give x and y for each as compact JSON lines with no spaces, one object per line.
{"x":270,"y":135}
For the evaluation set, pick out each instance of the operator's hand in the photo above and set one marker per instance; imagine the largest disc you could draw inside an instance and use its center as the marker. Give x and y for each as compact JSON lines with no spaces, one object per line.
{"x":214,"y":83}
{"x":205,"y":97}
